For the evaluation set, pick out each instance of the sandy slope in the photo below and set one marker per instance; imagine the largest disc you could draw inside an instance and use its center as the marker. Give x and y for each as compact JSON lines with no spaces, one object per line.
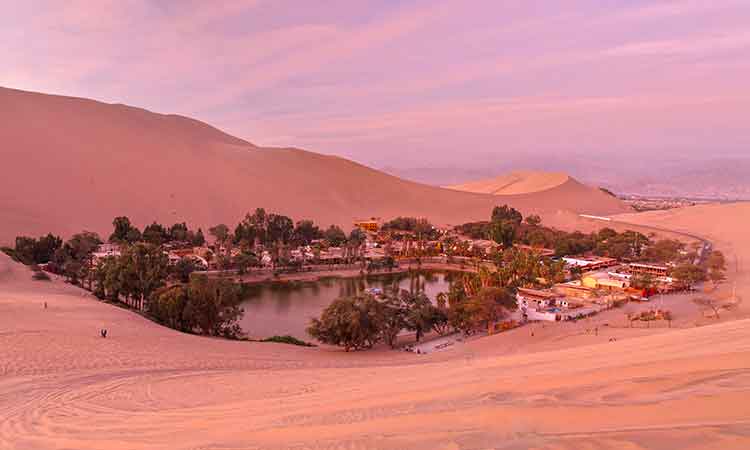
{"x":70,"y":164}
{"x":517,"y":182}
{"x":726,"y":226}
{"x":147,"y":387}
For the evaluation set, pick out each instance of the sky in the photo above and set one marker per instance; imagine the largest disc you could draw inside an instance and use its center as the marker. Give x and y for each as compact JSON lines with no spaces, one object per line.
{"x":454,"y":84}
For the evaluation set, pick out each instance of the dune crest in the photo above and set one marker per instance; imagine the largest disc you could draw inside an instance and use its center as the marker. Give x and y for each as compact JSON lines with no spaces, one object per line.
{"x":516,"y":182}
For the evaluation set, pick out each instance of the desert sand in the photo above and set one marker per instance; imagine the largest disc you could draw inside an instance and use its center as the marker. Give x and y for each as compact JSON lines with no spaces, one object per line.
{"x":516,"y":182}
{"x":72,"y":164}
{"x":148,"y":387}
{"x":726,"y":226}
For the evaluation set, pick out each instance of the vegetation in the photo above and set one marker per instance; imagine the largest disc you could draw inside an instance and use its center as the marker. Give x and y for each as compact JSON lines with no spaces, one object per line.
{"x":35,"y":251}
{"x":39,"y":274}
{"x":350,"y":322}
{"x":286,"y":339}
{"x":335,"y":236}
{"x":716,"y":264}
{"x":709,"y":303}
{"x":208,"y":305}
{"x":689,"y":274}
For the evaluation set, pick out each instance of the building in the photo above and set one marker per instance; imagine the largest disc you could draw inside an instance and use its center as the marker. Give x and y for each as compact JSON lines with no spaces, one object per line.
{"x":534,"y":298}
{"x":484,"y":245}
{"x":604,"y":281}
{"x":537,"y":305}
{"x":371,"y":225}
{"x":590,"y":263}
{"x":654,"y":270}
{"x":574,"y":289}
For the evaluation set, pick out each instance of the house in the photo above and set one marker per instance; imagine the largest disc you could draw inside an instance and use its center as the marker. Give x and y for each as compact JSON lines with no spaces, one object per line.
{"x":654,"y":270}
{"x":590,"y":263}
{"x":603,"y":281}
{"x":574,"y":289}
{"x":486,"y":246}
{"x":371,"y":225}
{"x":537,"y":305}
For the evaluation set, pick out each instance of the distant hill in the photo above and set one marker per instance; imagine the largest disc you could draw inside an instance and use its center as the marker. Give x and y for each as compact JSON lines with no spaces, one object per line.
{"x":70,"y":164}
{"x":518,"y":182}
{"x":551,"y":189}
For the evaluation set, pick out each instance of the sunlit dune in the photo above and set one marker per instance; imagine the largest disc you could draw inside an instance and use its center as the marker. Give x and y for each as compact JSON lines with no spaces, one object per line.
{"x":78,"y":163}
{"x":726,"y":226}
{"x":518,"y":182}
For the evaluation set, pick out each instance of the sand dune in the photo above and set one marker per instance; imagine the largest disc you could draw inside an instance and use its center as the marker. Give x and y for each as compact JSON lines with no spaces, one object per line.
{"x":725,"y":225}
{"x":518,"y":182}
{"x":148,"y":387}
{"x":72,"y":164}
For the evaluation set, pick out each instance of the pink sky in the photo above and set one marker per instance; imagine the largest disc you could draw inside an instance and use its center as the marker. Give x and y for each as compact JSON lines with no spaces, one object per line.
{"x":444,"y":84}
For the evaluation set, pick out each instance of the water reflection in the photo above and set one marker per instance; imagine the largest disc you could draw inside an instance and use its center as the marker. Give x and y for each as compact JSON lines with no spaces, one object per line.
{"x":286,"y":308}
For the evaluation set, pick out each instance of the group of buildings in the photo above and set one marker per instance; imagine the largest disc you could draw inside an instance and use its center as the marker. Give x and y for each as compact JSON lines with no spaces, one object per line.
{"x":603,"y":284}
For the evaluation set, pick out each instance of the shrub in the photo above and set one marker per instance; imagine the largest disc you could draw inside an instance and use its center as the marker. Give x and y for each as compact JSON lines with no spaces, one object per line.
{"x":10,"y":252}
{"x":40,"y":276}
{"x":286,"y":339}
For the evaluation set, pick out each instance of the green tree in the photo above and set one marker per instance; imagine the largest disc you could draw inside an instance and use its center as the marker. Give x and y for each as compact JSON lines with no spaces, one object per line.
{"x":335,"y":236}
{"x":82,"y":245}
{"x":198,"y":240}
{"x":156,"y":234}
{"x":183,"y":269}
{"x":394,"y":319}
{"x":220,"y":233}
{"x":124,"y":231}
{"x":145,"y":269}
{"x":178,"y":232}
{"x":167,"y":306}
{"x":305,"y":232}
{"x":214,"y":306}
{"x":717,"y":265}
{"x":350,"y":322}
{"x":642,"y":281}
{"x":280,"y":228}
{"x":502,"y":232}
{"x":244,"y":261}
{"x":488,"y":306}
{"x":689,"y":274}
{"x":419,"y":312}
{"x":36,"y":251}
{"x":505,"y":212}
{"x":533,"y":220}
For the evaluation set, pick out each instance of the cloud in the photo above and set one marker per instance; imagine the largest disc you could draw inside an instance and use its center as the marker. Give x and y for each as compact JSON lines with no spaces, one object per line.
{"x":342,"y":76}
{"x":687,"y":45}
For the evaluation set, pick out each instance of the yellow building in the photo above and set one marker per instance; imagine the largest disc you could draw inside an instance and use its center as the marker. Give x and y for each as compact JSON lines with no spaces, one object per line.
{"x":372,"y":225}
{"x":603,"y":282}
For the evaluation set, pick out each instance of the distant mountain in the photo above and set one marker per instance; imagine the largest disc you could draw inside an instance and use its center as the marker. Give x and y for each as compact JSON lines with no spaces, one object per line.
{"x":714,"y":179}
{"x":70,"y":164}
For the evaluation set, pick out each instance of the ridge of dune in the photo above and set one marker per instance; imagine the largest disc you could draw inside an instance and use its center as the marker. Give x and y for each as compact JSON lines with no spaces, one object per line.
{"x":516,"y":182}
{"x":77,"y":163}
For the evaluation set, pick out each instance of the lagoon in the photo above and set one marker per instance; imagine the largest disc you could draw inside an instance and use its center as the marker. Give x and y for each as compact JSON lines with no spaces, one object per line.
{"x":281,"y":308}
